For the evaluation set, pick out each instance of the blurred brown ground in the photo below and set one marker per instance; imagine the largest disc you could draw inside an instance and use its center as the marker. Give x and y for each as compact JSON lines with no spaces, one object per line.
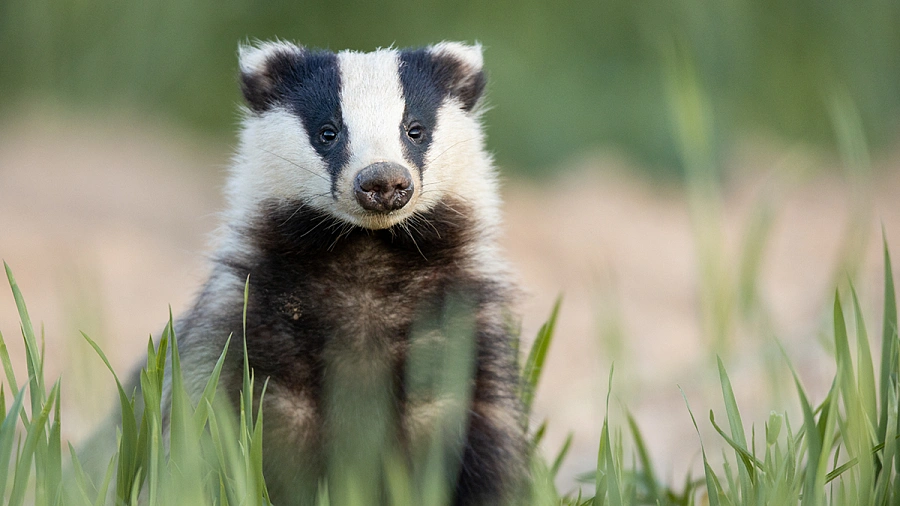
{"x":106,"y":224}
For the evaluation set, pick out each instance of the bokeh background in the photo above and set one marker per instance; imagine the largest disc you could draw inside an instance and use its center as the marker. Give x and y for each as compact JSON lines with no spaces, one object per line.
{"x":696,"y":179}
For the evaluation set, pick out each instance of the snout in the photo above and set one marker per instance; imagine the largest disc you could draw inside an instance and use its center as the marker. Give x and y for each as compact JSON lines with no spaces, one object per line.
{"x":383,"y":187}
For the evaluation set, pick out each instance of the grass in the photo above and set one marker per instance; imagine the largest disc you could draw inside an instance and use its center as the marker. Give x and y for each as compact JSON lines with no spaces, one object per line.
{"x":844,"y":450}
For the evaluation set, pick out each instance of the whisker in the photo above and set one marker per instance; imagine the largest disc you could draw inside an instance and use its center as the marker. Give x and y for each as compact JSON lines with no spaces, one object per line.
{"x":412,"y":237}
{"x":289,"y":218}
{"x":418,"y":220}
{"x":435,"y":183}
{"x":459,"y":196}
{"x":345,"y":230}
{"x":296,"y":165}
{"x":442,"y":153}
{"x":321,"y":221}
{"x":446,"y":204}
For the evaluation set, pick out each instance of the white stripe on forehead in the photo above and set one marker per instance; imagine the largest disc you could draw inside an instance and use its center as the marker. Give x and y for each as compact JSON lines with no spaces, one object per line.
{"x":372,"y":106}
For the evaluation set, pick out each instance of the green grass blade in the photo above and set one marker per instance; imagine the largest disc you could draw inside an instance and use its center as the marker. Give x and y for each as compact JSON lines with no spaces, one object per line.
{"x":135,"y":490}
{"x":209,"y":392}
{"x":613,"y":486}
{"x":25,"y":320}
{"x":182,"y":434}
{"x":53,"y":472}
{"x":749,"y":460}
{"x":35,"y":434}
{"x":226,"y":451}
{"x":162,"y":354}
{"x":102,"y":356}
{"x":812,"y":489}
{"x":534,"y":364}
{"x":83,"y":484}
{"x":883,"y":490}
{"x":841,"y":470}
{"x":557,"y":462}
{"x":103,"y":490}
{"x":712,"y":481}
{"x":888,"y":340}
{"x":841,"y":342}
{"x":607,"y":464}
{"x":156,"y":463}
{"x":644,"y":457}
{"x":747,"y":471}
{"x":247,"y":410}
{"x":866,"y":380}
{"x":600,"y":478}
{"x":33,"y":355}
{"x":127,"y":455}
{"x":10,"y":374}
{"x":256,"y":450}
{"x":7,"y":438}
{"x":539,"y":434}
{"x":322,"y":498}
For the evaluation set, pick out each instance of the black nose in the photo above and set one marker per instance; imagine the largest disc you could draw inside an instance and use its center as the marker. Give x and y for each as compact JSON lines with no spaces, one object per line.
{"x":383,"y":187}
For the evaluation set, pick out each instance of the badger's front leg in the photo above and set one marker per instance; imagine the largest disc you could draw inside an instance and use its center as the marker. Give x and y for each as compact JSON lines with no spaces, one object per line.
{"x":481,"y":424}
{"x":293,"y":457}
{"x":494,"y":467}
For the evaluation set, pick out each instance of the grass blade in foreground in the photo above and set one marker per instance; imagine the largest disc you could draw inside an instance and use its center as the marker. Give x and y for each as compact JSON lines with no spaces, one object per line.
{"x":713,"y":489}
{"x":534,"y":364}
{"x":739,"y":439}
{"x":888,"y":342}
{"x":7,"y":435}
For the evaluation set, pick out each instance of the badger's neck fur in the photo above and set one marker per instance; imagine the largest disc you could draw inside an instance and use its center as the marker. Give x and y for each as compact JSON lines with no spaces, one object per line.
{"x":444,"y":230}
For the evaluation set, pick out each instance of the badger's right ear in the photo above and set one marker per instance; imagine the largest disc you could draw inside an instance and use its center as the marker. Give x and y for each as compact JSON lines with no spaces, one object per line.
{"x":264,"y":66}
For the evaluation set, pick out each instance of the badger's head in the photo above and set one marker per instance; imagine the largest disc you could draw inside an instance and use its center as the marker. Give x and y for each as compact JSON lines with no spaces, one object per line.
{"x":370,"y":139}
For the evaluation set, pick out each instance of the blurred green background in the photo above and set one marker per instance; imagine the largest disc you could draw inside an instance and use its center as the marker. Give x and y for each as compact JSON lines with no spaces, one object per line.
{"x":566,"y":77}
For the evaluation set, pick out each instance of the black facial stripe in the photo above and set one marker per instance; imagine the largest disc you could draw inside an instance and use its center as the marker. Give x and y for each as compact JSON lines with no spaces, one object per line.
{"x":308,"y":83}
{"x":313,"y":92}
{"x":427,"y":80}
{"x":423,"y":97}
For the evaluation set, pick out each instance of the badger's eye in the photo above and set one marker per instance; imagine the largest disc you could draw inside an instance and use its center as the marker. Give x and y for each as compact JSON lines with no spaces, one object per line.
{"x":327,"y":135}
{"x":415,"y":132}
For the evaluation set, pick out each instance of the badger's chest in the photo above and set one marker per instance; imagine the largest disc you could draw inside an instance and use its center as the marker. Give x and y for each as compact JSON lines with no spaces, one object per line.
{"x":349,"y":306}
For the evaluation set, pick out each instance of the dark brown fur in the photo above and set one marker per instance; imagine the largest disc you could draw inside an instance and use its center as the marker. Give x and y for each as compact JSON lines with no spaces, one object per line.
{"x":331,"y":309}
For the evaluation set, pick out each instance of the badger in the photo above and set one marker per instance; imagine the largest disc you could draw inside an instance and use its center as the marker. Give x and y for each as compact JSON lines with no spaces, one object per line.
{"x":361,"y":204}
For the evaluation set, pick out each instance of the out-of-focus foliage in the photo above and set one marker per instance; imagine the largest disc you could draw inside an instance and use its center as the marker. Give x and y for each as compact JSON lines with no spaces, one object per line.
{"x":565,"y":76}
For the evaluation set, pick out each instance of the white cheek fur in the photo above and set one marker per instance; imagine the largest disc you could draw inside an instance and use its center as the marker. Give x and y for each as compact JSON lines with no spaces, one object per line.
{"x":276,"y":161}
{"x":457,"y":166}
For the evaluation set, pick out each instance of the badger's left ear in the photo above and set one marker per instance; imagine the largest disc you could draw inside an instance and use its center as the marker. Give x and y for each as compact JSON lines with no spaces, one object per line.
{"x":459,"y":67}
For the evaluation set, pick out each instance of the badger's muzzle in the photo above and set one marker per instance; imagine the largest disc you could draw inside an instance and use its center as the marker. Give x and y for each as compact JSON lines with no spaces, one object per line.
{"x":383,"y":187}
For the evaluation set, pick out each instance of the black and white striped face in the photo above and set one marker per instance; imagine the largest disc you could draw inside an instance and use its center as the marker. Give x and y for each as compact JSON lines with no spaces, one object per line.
{"x":370,"y":138}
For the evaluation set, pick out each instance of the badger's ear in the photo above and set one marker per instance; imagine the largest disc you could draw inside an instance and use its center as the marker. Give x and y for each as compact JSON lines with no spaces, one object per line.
{"x":263,"y":68}
{"x":459,"y":67}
